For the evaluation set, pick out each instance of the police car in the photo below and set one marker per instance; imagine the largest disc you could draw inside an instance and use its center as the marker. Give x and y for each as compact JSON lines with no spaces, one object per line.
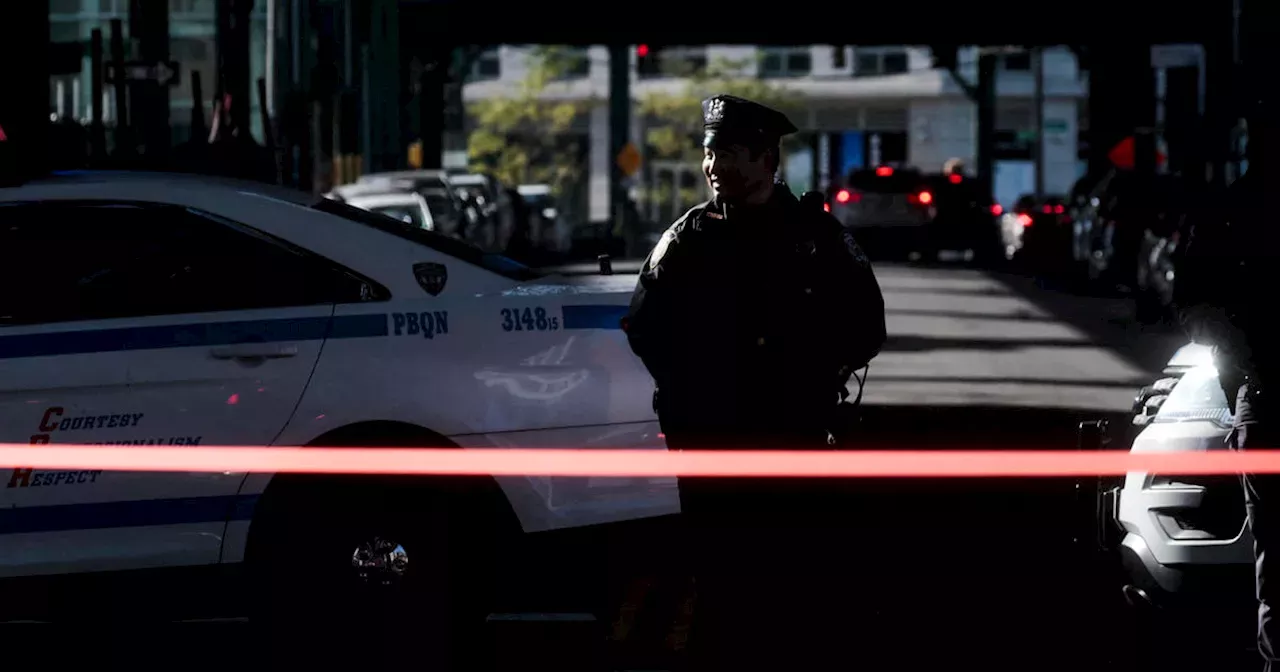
{"x":1186,"y":551}
{"x":169,"y":310}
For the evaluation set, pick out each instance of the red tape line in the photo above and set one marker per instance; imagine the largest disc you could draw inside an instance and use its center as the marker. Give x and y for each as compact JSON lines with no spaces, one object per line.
{"x":637,"y":463}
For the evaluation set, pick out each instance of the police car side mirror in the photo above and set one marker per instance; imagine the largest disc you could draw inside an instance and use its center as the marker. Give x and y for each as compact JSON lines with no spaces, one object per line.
{"x":1149,"y":410}
{"x":1161,"y":387}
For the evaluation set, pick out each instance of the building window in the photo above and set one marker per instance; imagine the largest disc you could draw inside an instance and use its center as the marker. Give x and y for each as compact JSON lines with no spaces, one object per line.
{"x":785,"y":62}
{"x":672,"y":61}
{"x":487,"y":65}
{"x":876,"y":62}
{"x":1020,"y":61}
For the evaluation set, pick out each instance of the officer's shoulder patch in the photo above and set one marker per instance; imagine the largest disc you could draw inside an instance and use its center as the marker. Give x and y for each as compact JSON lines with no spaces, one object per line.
{"x":854,"y":249}
{"x":660,"y":250}
{"x":695,"y":212}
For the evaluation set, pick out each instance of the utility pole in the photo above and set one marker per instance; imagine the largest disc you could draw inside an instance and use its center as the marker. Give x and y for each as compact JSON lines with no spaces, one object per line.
{"x":619,"y":137}
{"x":431,"y":106}
{"x":983,"y":94}
{"x":149,"y":24}
{"x":232,"y":35}
{"x":124,"y":134}
{"x":986,"y":99}
{"x":97,"y":130}
{"x":1037,"y":68}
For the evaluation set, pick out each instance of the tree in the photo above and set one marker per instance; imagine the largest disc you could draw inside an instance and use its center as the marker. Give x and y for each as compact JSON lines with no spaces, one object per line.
{"x":522,"y":138}
{"x":673,"y":120}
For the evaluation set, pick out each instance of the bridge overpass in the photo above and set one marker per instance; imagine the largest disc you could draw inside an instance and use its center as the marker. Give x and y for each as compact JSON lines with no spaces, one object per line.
{"x":1117,"y":34}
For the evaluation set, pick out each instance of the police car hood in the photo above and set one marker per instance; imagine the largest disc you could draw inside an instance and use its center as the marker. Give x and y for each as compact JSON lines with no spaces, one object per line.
{"x":610,"y":289}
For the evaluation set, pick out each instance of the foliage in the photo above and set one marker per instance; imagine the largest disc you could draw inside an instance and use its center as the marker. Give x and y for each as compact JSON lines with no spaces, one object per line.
{"x":521,"y":138}
{"x":673,"y":119}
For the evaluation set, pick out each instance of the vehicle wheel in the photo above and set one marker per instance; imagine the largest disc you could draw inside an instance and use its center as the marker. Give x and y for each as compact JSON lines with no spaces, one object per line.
{"x":386,"y":562}
{"x":401,"y":565}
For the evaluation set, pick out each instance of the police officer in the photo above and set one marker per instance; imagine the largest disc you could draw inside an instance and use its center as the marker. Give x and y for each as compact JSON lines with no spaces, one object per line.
{"x":1225,"y":289}
{"x":750,"y":313}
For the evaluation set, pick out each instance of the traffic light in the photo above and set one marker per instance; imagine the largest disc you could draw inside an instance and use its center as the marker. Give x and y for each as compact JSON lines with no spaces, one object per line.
{"x":944,"y":56}
{"x":647,"y":62}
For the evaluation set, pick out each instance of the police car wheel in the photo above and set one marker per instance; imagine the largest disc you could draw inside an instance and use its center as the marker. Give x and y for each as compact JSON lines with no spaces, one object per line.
{"x":386,"y":558}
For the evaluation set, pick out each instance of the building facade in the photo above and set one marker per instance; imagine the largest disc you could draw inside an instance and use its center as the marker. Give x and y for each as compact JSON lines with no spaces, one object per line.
{"x":859,"y":106}
{"x":192,"y":29}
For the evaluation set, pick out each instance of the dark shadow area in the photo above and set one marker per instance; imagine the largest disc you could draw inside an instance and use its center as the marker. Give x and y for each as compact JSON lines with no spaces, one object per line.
{"x":1021,"y":316}
{"x":979,"y":571}
{"x":947,"y":291}
{"x":928,"y":343}
{"x":1127,"y":385}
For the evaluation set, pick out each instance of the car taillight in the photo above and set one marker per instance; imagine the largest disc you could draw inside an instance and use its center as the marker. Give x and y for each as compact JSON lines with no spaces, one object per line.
{"x":996,"y":210}
{"x":884,"y":171}
{"x":1058,"y":209}
{"x":843,"y":196}
{"x":1025,"y":220}
{"x":955,"y":179}
{"x":826,"y":207}
{"x":922,"y":198}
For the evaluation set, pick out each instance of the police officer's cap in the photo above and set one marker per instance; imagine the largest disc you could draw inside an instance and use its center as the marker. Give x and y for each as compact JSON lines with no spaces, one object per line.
{"x":730,"y":120}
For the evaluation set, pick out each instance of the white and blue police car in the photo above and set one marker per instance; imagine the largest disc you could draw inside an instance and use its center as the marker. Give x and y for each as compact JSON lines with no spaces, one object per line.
{"x":170,"y":310}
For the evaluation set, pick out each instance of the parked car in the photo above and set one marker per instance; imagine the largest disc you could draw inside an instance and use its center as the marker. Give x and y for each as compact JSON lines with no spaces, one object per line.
{"x":1182,"y":542}
{"x":410,"y":208}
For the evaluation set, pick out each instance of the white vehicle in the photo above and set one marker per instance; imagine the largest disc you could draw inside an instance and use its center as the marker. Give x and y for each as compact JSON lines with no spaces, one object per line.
{"x":409,"y":208}
{"x":434,"y":185}
{"x":188,"y":310}
{"x":1182,"y":540}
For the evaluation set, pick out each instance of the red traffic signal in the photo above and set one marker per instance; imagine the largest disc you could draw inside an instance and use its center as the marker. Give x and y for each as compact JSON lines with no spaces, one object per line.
{"x":642,"y":50}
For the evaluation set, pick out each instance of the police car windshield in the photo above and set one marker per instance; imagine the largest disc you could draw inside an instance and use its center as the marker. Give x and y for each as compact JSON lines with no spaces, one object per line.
{"x":458,"y":249}
{"x":1197,"y":396}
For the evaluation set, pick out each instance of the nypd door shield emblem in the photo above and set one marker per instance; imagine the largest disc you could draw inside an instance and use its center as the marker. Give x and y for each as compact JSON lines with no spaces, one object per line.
{"x":431,"y":277}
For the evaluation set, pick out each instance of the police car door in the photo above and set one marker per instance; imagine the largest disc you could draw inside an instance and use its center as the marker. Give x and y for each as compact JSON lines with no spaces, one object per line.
{"x":141,"y":325}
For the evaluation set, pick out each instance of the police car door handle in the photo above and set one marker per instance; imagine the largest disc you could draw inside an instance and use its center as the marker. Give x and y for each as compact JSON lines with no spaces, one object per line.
{"x":254,"y":351}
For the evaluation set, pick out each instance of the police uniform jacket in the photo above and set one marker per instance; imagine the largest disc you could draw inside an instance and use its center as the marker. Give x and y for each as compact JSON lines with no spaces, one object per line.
{"x":749,"y":320}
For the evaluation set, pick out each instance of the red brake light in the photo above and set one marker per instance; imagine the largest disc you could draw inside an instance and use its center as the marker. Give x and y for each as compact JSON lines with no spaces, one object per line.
{"x":1048,"y":209}
{"x":842,"y":196}
{"x":642,"y":50}
{"x":997,"y":210}
{"x":955,"y":179}
{"x":884,"y":171}
{"x":826,"y":207}
{"x":1024,"y":220}
{"x":925,"y":197}
{"x":1058,"y":209}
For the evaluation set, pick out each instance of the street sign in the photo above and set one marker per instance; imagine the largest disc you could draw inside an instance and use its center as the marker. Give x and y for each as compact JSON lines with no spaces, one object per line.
{"x":629,"y":160}
{"x":164,"y":73}
{"x":1176,"y":56}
